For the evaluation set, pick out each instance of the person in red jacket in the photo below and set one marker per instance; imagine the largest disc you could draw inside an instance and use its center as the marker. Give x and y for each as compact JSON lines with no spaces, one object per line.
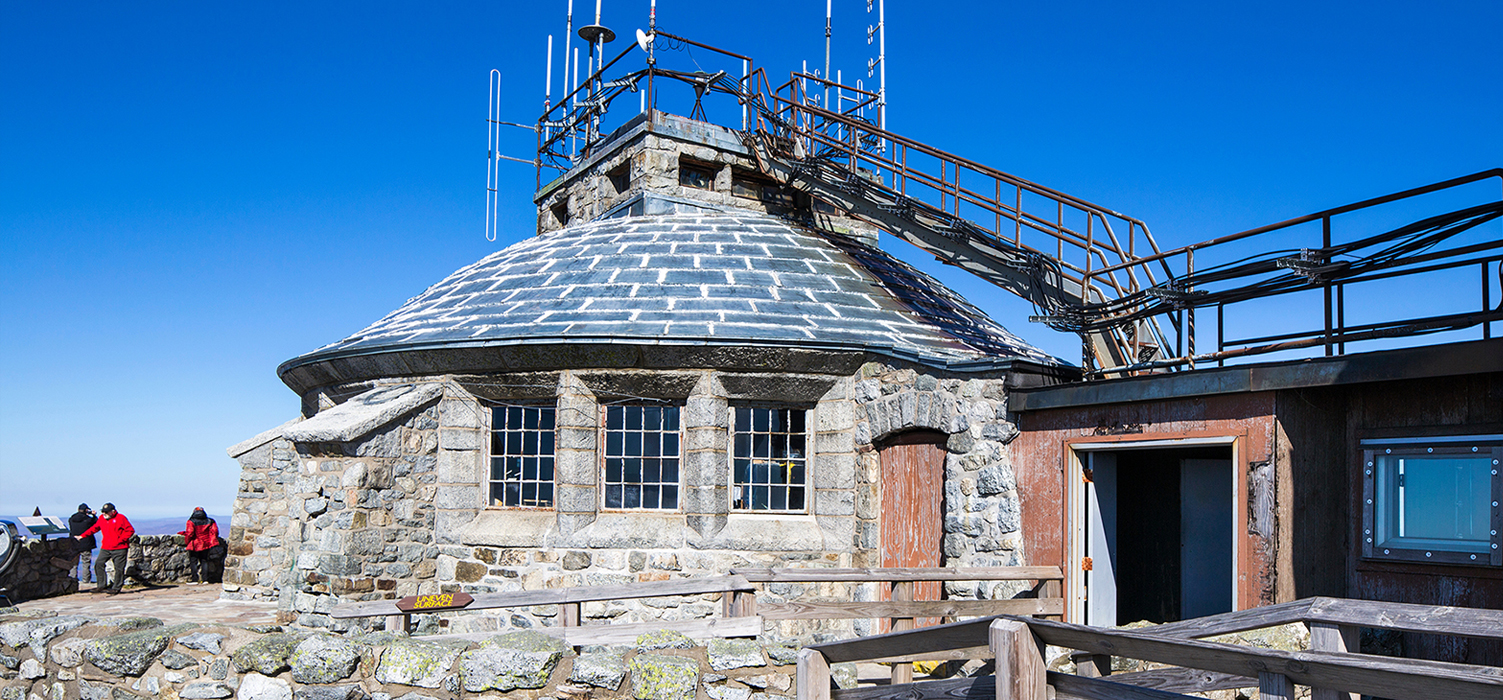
{"x":117,"y":532}
{"x":201,"y":535}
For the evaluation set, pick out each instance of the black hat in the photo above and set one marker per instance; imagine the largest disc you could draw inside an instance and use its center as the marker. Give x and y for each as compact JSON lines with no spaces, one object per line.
{"x":82,"y":507}
{"x":108,"y":507}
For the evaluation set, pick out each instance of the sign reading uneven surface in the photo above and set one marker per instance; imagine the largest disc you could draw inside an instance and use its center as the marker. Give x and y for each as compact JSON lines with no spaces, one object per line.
{"x":438,"y":601}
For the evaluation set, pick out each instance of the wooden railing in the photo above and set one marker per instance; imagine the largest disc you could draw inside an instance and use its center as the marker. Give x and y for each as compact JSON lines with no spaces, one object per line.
{"x":1331,"y":667}
{"x":901,"y":609}
{"x":741,"y":613}
{"x":569,"y":600}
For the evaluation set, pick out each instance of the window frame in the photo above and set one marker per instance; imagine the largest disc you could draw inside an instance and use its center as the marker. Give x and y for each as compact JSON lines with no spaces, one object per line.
{"x":1487,"y":446}
{"x":808,"y":459}
{"x":602,"y":457}
{"x":491,"y":456}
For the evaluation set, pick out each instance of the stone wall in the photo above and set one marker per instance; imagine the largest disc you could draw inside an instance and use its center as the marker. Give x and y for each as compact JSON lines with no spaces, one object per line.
{"x":42,"y":569}
{"x":79,"y":658}
{"x":164,"y":559}
{"x":401,"y":509}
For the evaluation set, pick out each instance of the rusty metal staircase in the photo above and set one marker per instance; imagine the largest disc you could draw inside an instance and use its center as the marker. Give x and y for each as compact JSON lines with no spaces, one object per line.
{"x":1055,"y":250}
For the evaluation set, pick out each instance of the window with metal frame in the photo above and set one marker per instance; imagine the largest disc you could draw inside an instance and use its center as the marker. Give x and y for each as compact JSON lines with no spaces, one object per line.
{"x":641,"y":457}
{"x":1433,"y":499}
{"x":769,"y":461}
{"x":522,"y":441}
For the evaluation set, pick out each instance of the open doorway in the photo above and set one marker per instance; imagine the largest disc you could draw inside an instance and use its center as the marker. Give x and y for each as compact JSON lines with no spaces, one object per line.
{"x":1157,"y":533}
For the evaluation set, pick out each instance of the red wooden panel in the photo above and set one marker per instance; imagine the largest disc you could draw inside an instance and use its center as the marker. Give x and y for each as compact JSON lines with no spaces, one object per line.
{"x":913,"y":479}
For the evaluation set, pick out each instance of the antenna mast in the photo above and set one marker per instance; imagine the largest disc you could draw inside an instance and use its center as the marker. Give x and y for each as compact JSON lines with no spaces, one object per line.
{"x":825,"y":100}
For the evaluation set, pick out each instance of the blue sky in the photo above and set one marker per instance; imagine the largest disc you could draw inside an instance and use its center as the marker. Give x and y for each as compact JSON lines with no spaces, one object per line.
{"x":192,"y":193}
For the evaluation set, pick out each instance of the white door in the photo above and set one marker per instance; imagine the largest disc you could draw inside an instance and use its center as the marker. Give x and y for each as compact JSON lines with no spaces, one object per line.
{"x":1101,"y":539}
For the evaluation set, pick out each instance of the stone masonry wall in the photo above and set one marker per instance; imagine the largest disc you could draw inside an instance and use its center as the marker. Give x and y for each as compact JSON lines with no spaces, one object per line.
{"x":80,"y":658}
{"x":42,"y":569}
{"x":402,"y":510}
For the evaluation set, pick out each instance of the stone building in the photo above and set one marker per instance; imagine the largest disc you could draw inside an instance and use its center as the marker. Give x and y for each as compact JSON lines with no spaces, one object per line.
{"x":687,"y":370}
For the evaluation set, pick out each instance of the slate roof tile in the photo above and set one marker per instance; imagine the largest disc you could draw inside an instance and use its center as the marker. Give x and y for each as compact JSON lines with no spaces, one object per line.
{"x":733,"y":278}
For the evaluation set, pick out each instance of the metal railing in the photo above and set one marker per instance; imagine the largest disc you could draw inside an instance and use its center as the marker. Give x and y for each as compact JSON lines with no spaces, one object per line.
{"x":1086,"y":268}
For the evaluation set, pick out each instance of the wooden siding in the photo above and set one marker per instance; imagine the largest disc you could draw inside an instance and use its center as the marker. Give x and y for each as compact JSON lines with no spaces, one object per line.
{"x":913,"y":479}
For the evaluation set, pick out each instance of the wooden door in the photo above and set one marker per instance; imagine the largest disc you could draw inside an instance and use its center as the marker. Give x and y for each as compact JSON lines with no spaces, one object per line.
{"x":912,"y":517}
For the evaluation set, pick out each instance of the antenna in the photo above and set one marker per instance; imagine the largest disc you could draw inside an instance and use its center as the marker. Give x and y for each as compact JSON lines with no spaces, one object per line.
{"x":493,"y":164}
{"x":880,"y":30}
{"x":569,"y":34}
{"x":825,"y":100}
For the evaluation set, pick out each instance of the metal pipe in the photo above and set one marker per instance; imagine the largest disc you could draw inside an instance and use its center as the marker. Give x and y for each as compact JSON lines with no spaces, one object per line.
{"x":570,"y":87}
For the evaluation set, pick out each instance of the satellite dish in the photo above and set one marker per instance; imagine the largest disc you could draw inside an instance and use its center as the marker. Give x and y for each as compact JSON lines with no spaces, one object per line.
{"x":644,"y":40}
{"x":595,"y":33}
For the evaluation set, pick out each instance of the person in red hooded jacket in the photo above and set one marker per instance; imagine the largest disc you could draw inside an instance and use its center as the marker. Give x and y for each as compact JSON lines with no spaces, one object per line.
{"x":201,"y":535}
{"x":117,"y":532}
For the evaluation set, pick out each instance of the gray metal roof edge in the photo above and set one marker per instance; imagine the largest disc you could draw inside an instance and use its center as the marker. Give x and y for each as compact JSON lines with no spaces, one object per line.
{"x":972,"y":365}
{"x":1449,"y":359}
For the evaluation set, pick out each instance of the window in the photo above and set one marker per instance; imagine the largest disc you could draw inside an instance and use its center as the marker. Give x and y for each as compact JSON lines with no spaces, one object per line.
{"x":695,"y":175}
{"x":620,"y":177}
{"x":522,"y":456}
{"x":1432,"y":499}
{"x":641,"y":457}
{"x":768,"y":460}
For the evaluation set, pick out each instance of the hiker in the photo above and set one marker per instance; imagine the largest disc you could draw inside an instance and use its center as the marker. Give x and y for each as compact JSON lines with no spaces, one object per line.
{"x":77,"y":524}
{"x":201,"y":536}
{"x":117,"y":533}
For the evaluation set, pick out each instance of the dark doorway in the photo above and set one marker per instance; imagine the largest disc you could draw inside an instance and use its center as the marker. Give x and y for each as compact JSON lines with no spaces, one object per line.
{"x":1166,"y":518}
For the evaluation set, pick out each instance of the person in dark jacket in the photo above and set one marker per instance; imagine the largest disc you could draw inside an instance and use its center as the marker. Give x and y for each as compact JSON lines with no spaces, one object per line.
{"x":117,"y":533}
{"x":77,"y":523}
{"x":200,"y":536}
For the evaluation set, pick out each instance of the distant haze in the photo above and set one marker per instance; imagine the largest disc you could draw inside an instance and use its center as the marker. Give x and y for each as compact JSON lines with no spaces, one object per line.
{"x":152,"y":526}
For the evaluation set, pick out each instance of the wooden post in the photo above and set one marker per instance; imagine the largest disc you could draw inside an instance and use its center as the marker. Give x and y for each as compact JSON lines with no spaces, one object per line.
{"x":1020,"y":662}
{"x":1091,"y":665}
{"x":1274,"y":686}
{"x":902,"y":671}
{"x":399,"y":623}
{"x":1325,"y":636}
{"x":813,"y":675}
{"x":1053,"y":588}
{"x":569,"y":614}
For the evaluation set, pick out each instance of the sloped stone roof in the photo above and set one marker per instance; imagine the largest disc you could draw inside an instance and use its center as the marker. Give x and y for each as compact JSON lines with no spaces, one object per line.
{"x":731,"y":278}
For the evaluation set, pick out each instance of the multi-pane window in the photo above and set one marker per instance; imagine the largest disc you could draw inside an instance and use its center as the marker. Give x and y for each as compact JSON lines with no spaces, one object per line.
{"x":769,"y":459}
{"x":522,"y":456}
{"x":641,"y":457}
{"x":1432,"y":499}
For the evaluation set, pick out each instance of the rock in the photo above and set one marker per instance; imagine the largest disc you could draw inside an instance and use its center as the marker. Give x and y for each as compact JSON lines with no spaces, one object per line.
{"x":207,"y":690}
{"x":267,"y":655}
{"x":724,"y":692}
{"x":782,"y":654}
{"x":174,"y":677}
{"x":258,"y":687}
{"x":330,"y":692}
{"x":410,"y":662}
{"x":414,"y":696}
{"x":1291,"y":637}
{"x":69,"y":652}
{"x":727,"y":654}
{"x":176,"y":659}
{"x":659,"y":677}
{"x":13,"y":692}
{"x":128,"y":654}
{"x":36,"y":633}
{"x":758,"y":682}
{"x":510,"y":661}
{"x":844,"y":675}
{"x":202,"y":641}
{"x":31,"y":669}
{"x":602,"y":670}
{"x":12,"y":662}
{"x":663,"y":639}
{"x":324,"y":659}
{"x":131,"y":624}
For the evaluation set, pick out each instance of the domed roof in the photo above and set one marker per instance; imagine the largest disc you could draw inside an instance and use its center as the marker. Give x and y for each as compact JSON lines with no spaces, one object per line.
{"x":727,"y":278}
